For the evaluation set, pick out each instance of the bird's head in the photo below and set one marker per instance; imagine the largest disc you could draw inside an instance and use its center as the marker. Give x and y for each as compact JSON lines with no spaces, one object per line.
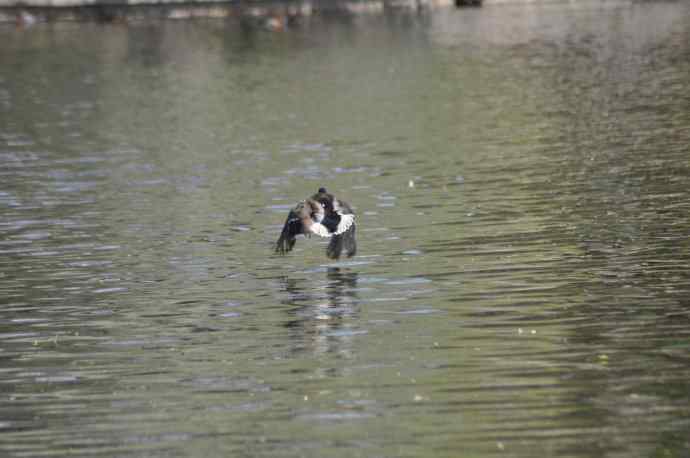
{"x":324,"y":198}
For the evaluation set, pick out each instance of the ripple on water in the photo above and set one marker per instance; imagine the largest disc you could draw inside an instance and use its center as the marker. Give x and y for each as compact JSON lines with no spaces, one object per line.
{"x":115,"y":289}
{"x":335,"y":416}
{"x":410,"y":281}
{"x":420,"y":311}
{"x":346,"y":332}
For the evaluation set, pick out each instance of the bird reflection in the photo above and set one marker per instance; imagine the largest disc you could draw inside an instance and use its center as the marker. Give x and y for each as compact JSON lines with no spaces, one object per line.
{"x":323,"y":312}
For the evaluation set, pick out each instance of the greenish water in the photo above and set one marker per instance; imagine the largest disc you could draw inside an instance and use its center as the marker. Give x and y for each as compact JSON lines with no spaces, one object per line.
{"x":521,"y":176}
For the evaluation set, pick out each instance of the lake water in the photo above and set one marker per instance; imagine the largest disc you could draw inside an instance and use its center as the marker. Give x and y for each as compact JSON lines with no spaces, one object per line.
{"x":521,"y":175}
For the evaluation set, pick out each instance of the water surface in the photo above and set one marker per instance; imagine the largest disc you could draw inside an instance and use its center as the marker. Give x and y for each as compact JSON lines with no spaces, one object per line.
{"x":521,"y":176}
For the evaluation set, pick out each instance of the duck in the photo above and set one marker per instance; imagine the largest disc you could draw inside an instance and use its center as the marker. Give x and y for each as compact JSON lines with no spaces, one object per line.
{"x":324,"y":216}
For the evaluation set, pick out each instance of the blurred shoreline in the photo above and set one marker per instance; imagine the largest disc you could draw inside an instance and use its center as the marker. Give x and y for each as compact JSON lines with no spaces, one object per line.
{"x":276,"y":13}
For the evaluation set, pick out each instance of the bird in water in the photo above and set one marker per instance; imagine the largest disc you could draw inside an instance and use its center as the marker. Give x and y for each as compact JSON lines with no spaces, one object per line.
{"x":323,"y":215}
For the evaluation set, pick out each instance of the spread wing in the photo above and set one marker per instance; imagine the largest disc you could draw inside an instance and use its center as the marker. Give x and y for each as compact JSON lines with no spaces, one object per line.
{"x":292,"y":227}
{"x":320,"y":229}
{"x":342,"y":223}
{"x":337,"y":223}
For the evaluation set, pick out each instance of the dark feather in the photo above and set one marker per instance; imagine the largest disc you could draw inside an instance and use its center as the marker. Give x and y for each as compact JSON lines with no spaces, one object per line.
{"x":345,"y":241}
{"x":349,"y":241}
{"x":331,"y":221}
{"x":292,"y":227}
